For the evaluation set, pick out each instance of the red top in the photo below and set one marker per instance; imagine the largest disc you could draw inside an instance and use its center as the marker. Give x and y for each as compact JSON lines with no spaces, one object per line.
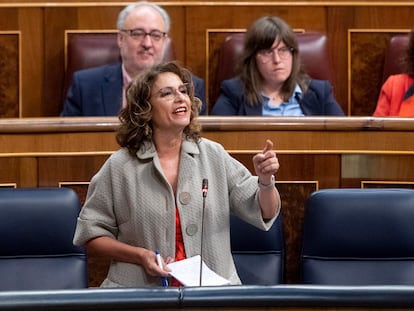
{"x":179,"y":245}
{"x":390,"y":102}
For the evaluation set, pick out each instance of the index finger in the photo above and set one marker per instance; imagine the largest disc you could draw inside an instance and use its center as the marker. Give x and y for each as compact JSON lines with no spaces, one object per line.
{"x":268,"y":146}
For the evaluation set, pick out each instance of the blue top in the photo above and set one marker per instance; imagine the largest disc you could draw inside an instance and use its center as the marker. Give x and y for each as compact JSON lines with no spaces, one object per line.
{"x":289,"y":108}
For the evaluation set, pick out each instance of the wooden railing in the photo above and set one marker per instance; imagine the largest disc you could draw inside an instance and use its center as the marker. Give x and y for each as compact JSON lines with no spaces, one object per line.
{"x":314,"y":153}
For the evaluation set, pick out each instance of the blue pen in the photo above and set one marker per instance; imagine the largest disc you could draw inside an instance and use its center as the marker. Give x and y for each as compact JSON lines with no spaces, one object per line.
{"x":163,"y":278}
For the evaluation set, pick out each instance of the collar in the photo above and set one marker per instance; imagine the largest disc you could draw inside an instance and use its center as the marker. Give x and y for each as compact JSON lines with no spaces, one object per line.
{"x":125,"y":76}
{"x":297,"y":93}
{"x":148,"y":150}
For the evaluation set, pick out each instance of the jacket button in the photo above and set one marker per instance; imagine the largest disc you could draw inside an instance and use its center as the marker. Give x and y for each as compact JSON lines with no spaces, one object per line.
{"x":191,"y":229}
{"x":184,"y":197}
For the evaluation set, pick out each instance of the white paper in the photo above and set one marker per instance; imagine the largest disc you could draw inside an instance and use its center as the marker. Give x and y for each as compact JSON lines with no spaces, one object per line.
{"x":187,"y":271}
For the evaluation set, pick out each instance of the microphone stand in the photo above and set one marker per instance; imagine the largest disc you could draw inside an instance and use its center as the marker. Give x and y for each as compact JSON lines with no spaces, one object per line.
{"x":204,"y":190}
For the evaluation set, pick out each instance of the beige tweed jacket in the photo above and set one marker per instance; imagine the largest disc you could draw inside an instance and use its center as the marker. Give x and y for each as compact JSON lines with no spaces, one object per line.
{"x":130,"y":200}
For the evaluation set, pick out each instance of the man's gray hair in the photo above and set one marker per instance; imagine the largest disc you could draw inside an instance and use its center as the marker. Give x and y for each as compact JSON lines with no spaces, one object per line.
{"x":128,"y":9}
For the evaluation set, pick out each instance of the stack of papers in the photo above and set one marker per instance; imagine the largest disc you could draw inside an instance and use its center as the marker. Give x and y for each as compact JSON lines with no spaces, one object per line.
{"x":187,"y":271}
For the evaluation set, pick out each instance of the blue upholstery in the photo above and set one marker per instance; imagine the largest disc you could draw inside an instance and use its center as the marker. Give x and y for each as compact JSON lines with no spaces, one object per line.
{"x":298,"y":297}
{"x":359,"y":237}
{"x":36,"y":232}
{"x":258,"y":255}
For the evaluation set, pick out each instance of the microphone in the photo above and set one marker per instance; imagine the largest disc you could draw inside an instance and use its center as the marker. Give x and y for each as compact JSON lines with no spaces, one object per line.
{"x":204,"y":187}
{"x":204,"y":190}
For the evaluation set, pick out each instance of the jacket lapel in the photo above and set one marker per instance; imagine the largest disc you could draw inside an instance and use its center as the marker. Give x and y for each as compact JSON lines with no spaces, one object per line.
{"x":112,"y":90}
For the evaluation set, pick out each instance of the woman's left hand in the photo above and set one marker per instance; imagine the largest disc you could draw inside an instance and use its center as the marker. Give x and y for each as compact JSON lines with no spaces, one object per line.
{"x":266,"y":163}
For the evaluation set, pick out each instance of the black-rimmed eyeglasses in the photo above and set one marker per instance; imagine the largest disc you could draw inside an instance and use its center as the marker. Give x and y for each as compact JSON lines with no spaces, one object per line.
{"x":139,"y":34}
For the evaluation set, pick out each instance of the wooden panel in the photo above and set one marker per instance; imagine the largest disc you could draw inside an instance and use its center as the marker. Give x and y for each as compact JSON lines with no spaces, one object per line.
{"x":339,"y":20}
{"x":9,"y":19}
{"x":42,"y":57}
{"x":323,"y":168}
{"x":222,"y":2}
{"x":386,"y":184}
{"x":9,"y":170}
{"x":88,"y":18}
{"x":214,"y":38}
{"x":21,"y":171}
{"x":310,"y":135}
{"x":388,"y":16}
{"x":179,"y":35}
{"x":365,"y":50}
{"x":378,"y":166}
{"x":68,"y":170}
{"x":366,"y":57}
{"x":294,"y":196}
{"x":54,"y":69}
{"x":9,"y":74}
{"x":31,"y":25}
{"x":6,"y":185}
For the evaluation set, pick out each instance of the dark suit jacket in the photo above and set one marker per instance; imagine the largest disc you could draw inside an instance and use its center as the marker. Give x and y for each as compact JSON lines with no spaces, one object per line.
{"x":98,"y":92}
{"x":317,"y":100}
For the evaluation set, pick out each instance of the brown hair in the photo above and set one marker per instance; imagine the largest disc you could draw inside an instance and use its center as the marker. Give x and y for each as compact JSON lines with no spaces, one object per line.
{"x":136,"y":118}
{"x":260,"y":36}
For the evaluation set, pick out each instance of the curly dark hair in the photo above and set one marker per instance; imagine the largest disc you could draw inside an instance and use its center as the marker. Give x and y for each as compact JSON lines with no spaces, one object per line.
{"x":136,"y":118}
{"x":261,"y":36}
{"x":408,"y":58}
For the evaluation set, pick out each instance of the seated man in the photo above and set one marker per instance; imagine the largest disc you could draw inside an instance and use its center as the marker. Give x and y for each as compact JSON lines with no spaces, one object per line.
{"x":100,"y":91}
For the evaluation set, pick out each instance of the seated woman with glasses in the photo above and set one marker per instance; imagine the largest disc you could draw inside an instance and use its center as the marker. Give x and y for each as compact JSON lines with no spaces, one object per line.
{"x":271,"y":81}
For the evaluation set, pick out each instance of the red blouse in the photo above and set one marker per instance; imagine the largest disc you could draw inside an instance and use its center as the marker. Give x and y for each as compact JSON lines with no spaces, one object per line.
{"x":390,"y":102}
{"x":179,"y":245}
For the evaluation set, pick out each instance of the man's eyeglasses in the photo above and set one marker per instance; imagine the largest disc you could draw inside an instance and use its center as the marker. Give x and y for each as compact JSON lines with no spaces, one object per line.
{"x":169,"y":93}
{"x":283,"y":52}
{"x":139,"y":34}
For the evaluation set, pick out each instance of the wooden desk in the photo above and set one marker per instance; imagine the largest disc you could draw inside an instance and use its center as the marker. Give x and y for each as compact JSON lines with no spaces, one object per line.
{"x":314,"y":152}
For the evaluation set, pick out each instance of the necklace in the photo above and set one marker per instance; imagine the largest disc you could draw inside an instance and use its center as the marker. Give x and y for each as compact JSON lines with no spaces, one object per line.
{"x":274,"y":97}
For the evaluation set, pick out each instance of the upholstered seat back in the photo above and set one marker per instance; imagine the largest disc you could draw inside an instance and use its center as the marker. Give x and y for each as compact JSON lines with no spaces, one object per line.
{"x":36,"y":231}
{"x":92,"y":49}
{"x":359,"y":237}
{"x":258,"y":255}
{"x":393,"y":55}
{"x":313,"y":47}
